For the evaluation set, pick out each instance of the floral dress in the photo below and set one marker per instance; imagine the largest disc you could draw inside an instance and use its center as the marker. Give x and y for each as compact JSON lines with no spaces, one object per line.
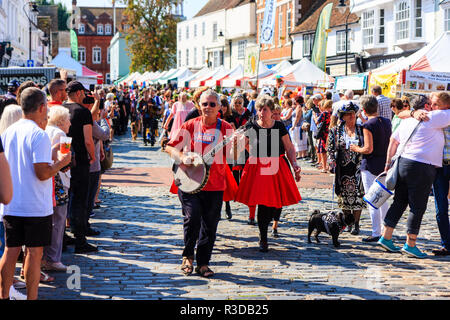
{"x":348,"y":182}
{"x":324,"y":117}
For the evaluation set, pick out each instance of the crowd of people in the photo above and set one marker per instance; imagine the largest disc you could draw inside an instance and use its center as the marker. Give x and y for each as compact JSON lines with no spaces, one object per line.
{"x":50,"y":184}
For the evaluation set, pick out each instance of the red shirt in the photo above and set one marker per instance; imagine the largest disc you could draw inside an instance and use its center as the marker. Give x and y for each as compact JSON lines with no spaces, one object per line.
{"x":196,"y":137}
{"x":54,"y":103}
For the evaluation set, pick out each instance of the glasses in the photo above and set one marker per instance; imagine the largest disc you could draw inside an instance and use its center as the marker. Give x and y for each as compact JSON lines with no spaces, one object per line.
{"x":238,"y":102}
{"x":211,"y":104}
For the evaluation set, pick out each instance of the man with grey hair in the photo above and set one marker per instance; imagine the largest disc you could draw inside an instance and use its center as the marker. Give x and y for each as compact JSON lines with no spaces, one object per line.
{"x":384,"y":103}
{"x":28,"y":218}
{"x":201,"y":210}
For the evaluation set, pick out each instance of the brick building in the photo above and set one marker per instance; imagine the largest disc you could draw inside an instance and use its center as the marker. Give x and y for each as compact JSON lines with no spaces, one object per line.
{"x":288,"y":15}
{"x":95,"y":31}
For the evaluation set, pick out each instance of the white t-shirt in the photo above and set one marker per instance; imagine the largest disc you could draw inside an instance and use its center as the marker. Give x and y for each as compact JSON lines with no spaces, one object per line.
{"x":427,"y":144}
{"x":26,"y":144}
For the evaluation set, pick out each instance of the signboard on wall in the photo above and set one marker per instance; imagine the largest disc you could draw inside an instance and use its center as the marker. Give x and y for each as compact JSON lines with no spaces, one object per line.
{"x":421,"y":81}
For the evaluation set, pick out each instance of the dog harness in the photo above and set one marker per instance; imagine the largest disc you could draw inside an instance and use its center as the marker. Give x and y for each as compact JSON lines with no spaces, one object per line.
{"x":329,"y":219}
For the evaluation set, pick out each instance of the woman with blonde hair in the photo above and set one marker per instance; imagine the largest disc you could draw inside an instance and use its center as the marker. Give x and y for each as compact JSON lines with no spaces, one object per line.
{"x":11,"y":114}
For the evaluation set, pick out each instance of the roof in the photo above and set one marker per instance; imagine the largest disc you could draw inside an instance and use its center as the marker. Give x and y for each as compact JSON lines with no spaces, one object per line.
{"x":216,"y":5}
{"x":89,"y":15}
{"x":309,"y":20}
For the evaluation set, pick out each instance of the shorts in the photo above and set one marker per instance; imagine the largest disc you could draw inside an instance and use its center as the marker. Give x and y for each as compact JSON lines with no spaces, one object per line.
{"x":31,"y":232}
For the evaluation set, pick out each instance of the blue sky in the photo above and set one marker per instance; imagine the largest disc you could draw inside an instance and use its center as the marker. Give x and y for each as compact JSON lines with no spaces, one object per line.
{"x":191,"y":7}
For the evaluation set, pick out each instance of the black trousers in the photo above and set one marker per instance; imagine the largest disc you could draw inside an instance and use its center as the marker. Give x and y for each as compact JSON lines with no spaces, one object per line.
{"x":78,"y":202}
{"x":413,"y":188}
{"x":265,"y":216}
{"x":201,"y":213}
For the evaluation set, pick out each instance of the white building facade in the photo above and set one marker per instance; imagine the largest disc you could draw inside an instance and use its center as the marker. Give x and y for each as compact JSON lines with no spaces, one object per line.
{"x":216,"y":38}
{"x":391,"y":29}
{"x":14,"y":28}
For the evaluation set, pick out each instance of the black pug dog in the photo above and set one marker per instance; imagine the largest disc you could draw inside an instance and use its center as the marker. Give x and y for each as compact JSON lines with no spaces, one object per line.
{"x":332,"y":223}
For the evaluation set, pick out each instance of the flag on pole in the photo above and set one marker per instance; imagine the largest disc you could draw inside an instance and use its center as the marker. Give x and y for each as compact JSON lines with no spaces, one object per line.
{"x":319,"y":52}
{"x":268,"y":26}
{"x":74,"y":44}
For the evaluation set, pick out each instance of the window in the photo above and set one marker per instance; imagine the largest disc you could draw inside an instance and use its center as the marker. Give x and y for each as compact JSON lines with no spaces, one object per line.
{"x":81,"y":28}
{"x":381,"y":27}
{"x":217,"y":58}
{"x":203,"y":28}
{"x":187,"y":32}
{"x":308,"y":43}
{"x":280,"y":25}
{"x":108,"y":29}
{"x":82,"y":55}
{"x":203,"y":55}
{"x":187,"y":57}
{"x":288,"y":21}
{"x":195,"y":31}
{"x":242,"y":45}
{"x":108,"y":78}
{"x":99,"y":29}
{"x":340,"y":42}
{"x":367,"y":27}
{"x":402,"y":20}
{"x":179,"y":34}
{"x":195,"y":56}
{"x":418,"y":17}
{"x":214,"y":38}
{"x":97,"y":55}
{"x":179,"y":58}
{"x":108,"y":56}
{"x":447,"y":19}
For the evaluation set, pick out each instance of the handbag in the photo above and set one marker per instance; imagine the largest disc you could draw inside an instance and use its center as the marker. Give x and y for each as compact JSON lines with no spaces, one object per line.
{"x":392,"y":173}
{"x":109,"y":157}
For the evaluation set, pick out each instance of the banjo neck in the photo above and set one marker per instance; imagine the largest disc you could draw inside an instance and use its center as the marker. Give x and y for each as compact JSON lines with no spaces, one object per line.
{"x":209,"y":156}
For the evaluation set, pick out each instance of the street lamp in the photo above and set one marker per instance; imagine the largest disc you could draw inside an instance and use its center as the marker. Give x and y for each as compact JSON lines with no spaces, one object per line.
{"x":33,"y":10}
{"x":342,"y":8}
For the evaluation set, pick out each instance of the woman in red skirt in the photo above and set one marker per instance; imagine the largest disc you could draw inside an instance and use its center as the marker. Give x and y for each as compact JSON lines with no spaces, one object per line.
{"x":267,"y":180}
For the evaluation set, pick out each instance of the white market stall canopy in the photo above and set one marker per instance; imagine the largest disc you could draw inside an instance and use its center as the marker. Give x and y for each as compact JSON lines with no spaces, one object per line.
{"x":234,"y":78}
{"x":184,"y":82}
{"x":201,"y":79}
{"x":166,"y":77}
{"x":179,"y":74}
{"x":433,"y":57}
{"x":303,"y":72}
{"x":217,"y":77}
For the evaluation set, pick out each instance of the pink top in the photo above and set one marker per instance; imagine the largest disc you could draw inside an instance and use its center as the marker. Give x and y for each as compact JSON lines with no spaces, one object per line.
{"x":179,"y":112}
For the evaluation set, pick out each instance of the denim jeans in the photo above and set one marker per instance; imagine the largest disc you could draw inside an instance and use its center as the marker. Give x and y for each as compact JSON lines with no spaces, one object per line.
{"x":440,"y":190}
{"x":413,"y":188}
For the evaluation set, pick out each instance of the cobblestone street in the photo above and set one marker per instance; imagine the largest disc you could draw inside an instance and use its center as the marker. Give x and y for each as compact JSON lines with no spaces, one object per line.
{"x":142,"y":239}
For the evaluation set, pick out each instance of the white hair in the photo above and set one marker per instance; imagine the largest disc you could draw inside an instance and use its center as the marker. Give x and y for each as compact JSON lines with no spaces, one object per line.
{"x":11,"y":114}
{"x":109,"y":96}
{"x":349,"y":94}
{"x":210,"y":93}
{"x":57,"y":115}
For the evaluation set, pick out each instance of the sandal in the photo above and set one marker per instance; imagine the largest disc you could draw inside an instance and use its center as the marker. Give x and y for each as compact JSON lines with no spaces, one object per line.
{"x":186,"y":268}
{"x":204,"y":271}
{"x":45,"y":278}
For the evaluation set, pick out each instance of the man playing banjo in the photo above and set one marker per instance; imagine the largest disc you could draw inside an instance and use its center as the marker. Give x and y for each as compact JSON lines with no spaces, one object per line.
{"x":202,"y":209}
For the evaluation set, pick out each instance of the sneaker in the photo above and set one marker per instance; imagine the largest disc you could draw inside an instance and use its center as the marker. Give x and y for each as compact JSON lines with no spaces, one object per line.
{"x":371,"y":239}
{"x":86,"y":248}
{"x":19,"y":284}
{"x":93,"y":233}
{"x":441,"y":252}
{"x":229,"y":214}
{"x":413,"y":251}
{"x":263,"y":246}
{"x":53,"y":266}
{"x":275,"y":233}
{"x":16,"y":295}
{"x":388,"y":245}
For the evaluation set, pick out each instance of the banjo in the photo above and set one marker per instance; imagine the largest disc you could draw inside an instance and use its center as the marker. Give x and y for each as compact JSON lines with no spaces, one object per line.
{"x":193,"y":178}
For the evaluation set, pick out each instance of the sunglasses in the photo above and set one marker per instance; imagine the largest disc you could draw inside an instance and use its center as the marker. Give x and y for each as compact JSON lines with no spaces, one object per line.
{"x":211,"y":104}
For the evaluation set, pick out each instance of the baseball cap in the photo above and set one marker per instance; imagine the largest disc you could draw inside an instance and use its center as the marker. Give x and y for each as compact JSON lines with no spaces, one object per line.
{"x":317,"y":97}
{"x":75,"y":86}
{"x":14,"y":83}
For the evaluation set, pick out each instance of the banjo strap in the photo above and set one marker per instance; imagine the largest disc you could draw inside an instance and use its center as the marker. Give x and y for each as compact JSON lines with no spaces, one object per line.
{"x":208,"y":158}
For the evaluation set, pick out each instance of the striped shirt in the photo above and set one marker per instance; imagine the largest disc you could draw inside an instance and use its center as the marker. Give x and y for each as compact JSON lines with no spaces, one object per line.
{"x":384,"y":107}
{"x":447,"y":144}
